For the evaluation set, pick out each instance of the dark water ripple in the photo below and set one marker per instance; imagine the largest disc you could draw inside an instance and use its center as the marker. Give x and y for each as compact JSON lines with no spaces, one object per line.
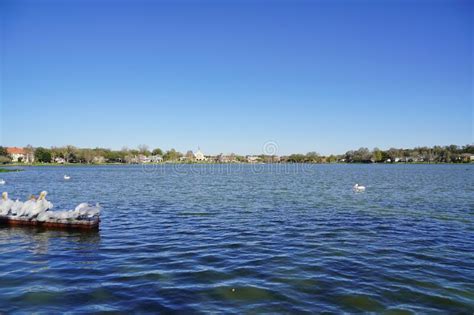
{"x":247,"y":239}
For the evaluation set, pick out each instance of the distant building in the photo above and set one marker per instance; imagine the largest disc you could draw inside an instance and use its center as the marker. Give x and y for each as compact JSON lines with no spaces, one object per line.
{"x":20,"y":155}
{"x":156,"y":159}
{"x":59,"y":160}
{"x":220,"y":158}
{"x":415,"y":159}
{"x":98,"y":160}
{"x":199,"y":156}
{"x":143,"y":159}
{"x":131,"y":159}
{"x":253,"y":159}
{"x":148,"y":159}
{"x":467,"y":157}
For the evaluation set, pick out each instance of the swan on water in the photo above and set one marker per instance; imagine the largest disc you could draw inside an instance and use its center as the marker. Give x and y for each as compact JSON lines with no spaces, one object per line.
{"x":16,"y":208}
{"x":41,"y":205}
{"x":2,"y":182}
{"x":27,"y":206}
{"x":66,"y":177}
{"x":358,"y":188}
{"x":5,"y":204}
{"x":87,"y":211}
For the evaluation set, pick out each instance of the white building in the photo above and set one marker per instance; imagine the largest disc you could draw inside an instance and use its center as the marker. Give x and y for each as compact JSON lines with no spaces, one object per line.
{"x":156,"y":159}
{"x":98,"y":160}
{"x":199,"y":156}
{"x":143,"y":159}
{"x":253,"y":159}
{"x":59,"y":160}
{"x":20,"y":155}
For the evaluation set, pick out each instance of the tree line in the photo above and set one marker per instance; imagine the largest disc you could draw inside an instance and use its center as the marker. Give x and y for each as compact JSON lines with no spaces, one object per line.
{"x":436,"y":154}
{"x":71,"y":154}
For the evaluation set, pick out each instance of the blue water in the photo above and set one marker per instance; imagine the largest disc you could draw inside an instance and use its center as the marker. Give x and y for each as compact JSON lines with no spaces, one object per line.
{"x":247,"y":239}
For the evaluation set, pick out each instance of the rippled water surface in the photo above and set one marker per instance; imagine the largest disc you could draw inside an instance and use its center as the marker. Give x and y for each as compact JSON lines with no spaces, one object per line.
{"x":247,"y":239}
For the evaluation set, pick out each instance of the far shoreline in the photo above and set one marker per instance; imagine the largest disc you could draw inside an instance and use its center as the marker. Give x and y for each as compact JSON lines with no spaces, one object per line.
{"x":8,"y":167}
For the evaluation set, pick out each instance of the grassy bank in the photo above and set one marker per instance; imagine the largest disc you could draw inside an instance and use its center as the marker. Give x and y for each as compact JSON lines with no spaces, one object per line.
{"x":7,"y":170}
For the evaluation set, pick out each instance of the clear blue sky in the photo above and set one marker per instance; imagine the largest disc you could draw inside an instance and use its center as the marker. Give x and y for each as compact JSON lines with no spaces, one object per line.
{"x":325,"y":76}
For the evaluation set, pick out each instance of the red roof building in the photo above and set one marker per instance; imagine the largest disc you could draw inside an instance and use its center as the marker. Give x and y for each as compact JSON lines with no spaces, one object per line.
{"x":16,"y":150}
{"x":20,"y":155}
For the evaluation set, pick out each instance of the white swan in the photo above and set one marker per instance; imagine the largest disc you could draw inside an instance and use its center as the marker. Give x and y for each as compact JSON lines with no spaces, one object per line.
{"x":16,"y":208}
{"x":358,"y":188}
{"x":41,"y":205}
{"x":66,"y":177}
{"x":5,"y":204}
{"x":27,"y":206}
{"x":43,"y":216}
{"x":2,"y":182}
{"x":84,"y":210}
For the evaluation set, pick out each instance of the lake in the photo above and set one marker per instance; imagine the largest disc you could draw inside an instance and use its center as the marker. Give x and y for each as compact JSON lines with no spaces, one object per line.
{"x":247,"y":239}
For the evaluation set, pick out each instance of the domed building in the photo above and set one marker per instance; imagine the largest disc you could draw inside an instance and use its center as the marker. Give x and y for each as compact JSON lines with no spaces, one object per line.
{"x":199,"y":156}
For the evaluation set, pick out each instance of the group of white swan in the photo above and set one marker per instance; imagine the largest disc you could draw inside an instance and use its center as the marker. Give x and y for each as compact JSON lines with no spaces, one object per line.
{"x":40,"y":209}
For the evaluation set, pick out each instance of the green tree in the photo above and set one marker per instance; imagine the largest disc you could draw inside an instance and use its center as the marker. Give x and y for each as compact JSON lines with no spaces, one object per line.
{"x":69,"y":153}
{"x":143,"y":149}
{"x":85,"y":155}
{"x":43,"y":155}
{"x":331,"y":159}
{"x":392,"y":154}
{"x":189,"y":155}
{"x":313,"y":157}
{"x":361,"y":155}
{"x":4,"y":159}
{"x":297,"y":158}
{"x":172,"y":155}
{"x":468,"y":149}
{"x":3,"y":151}
{"x":377,"y":155}
{"x":115,"y":156}
{"x":157,"y":151}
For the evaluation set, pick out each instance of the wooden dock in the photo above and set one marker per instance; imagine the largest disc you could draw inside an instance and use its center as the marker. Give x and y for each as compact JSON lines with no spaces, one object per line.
{"x":50,"y":224}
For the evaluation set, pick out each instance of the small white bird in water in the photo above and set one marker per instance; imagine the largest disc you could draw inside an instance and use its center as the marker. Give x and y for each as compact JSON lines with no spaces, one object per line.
{"x":358,"y":188}
{"x":67,"y":177}
{"x":2,"y":182}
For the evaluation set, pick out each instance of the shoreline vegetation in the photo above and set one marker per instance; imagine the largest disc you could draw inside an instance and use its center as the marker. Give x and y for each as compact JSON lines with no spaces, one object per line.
{"x":13,"y":167}
{"x":70,"y":156}
{"x":9,"y":170}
